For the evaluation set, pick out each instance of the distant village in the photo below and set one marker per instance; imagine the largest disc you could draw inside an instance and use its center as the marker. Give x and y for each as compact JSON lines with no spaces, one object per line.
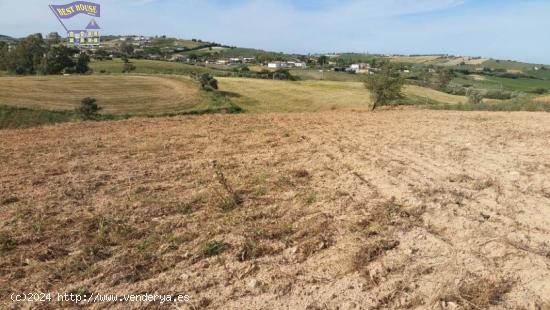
{"x":147,"y":47}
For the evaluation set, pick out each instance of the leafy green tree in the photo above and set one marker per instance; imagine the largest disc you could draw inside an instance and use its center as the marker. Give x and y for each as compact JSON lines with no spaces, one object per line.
{"x":322,"y":60}
{"x":3,"y":55}
{"x":384,"y":86}
{"x":53,"y":38}
{"x":57,"y":59}
{"x":26,"y":58}
{"x":82,"y":63}
{"x":126,"y":48}
{"x":88,"y":109}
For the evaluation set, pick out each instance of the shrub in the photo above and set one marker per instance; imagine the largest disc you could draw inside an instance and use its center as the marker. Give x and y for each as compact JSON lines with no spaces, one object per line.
{"x":208,"y":82}
{"x":456,"y":90}
{"x":539,"y":91}
{"x":283,"y":74}
{"x":128,"y":67}
{"x":475,"y":97}
{"x":88,"y":109}
{"x":497,"y":94}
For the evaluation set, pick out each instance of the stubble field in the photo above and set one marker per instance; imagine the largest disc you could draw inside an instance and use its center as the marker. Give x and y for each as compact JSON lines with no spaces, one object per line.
{"x":386,"y":210}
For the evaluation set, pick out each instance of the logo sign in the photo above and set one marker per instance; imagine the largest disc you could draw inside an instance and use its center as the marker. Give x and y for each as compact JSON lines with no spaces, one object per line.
{"x":75,"y":19}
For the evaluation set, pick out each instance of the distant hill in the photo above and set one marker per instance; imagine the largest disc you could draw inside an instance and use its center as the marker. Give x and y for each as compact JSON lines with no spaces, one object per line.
{"x":7,"y":39}
{"x":463,"y":62}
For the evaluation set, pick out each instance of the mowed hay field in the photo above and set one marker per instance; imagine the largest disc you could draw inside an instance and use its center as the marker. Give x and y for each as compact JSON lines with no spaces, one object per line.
{"x":157,"y":94}
{"x":349,"y":210}
{"x":115,"y":94}
{"x":257,"y":95}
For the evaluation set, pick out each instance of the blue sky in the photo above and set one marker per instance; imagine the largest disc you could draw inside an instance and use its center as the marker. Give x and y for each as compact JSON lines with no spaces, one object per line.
{"x":505,"y":29}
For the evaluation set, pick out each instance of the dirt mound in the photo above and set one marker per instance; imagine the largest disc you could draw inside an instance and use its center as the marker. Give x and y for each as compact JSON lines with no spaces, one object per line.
{"x":386,"y":210}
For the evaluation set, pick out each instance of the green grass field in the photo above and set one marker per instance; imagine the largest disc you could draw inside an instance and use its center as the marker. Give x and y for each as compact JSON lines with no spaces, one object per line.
{"x":507,"y":65}
{"x":499,"y":83}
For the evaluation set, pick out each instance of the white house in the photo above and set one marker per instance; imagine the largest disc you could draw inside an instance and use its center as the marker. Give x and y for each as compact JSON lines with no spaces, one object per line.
{"x":179,"y":57}
{"x":297,"y":64}
{"x":276,"y":65}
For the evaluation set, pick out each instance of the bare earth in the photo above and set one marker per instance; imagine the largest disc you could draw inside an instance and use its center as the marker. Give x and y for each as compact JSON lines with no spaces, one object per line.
{"x":332,"y":210}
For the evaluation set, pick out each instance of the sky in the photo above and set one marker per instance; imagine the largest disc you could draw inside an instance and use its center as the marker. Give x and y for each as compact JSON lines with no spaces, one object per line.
{"x":502,"y":29}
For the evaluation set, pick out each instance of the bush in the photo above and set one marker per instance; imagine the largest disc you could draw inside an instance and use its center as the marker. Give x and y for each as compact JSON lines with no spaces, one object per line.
{"x":128,"y":67}
{"x":539,"y":91}
{"x":283,"y":74}
{"x":497,"y":94}
{"x":208,"y":82}
{"x":88,"y":109}
{"x":456,"y":90}
{"x":475,"y":97}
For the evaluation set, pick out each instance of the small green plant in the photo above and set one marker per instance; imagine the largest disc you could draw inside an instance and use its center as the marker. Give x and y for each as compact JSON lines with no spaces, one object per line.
{"x":214,"y":248}
{"x":251,"y":249}
{"x":232,"y":199}
{"x":88,"y":109}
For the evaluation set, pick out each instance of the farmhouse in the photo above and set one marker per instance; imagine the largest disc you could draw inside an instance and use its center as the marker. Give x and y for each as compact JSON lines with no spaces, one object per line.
{"x":276,"y":65}
{"x":360,"y":68}
{"x":179,"y":58}
{"x":297,"y":64}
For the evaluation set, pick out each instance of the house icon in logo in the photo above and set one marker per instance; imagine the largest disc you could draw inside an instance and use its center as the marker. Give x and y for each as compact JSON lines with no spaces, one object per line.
{"x":77,"y":14}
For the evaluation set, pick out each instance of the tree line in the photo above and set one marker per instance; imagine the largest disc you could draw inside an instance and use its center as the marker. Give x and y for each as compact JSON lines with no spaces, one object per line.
{"x":36,"y":55}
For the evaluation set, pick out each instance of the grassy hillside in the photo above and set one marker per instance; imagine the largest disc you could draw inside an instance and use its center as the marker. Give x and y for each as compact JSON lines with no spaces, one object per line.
{"x":116,"y":94}
{"x":282,"y":96}
{"x":14,"y":117}
{"x":328,"y":75}
{"x":7,"y":39}
{"x":499,"y":83}
{"x":247,"y":52}
{"x":150,"y":67}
